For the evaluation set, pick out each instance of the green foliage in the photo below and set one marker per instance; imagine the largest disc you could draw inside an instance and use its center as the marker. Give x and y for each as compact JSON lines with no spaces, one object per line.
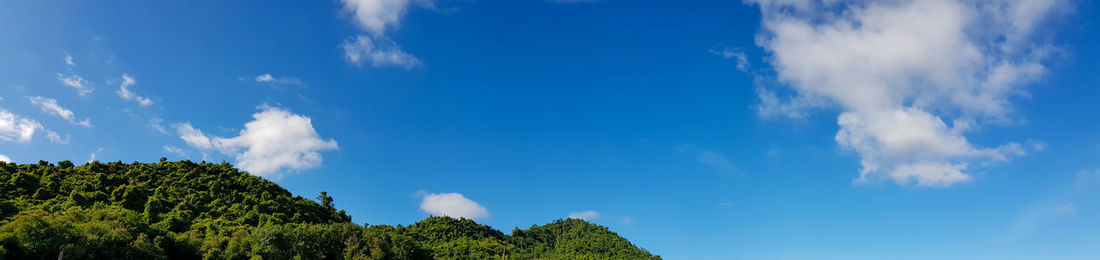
{"x":186,"y":210}
{"x":574,"y":239}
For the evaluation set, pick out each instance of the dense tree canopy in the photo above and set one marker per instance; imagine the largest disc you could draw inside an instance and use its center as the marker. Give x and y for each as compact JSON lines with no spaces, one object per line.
{"x":187,"y":210}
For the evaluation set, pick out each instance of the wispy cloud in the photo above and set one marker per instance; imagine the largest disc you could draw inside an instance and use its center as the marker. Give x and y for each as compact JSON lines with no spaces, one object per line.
{"x":56,"y":138}
{"x":376,"y":17}
{"x":75,"y":81}
{"x":736,"y":55}
{"x":588,"y":215}
{"x":268,"y":78}
{"x":1053,"y":207}
{"x":158,"y":124}
{"x":172,"y":150}
{"x":1032,"y":220}
{"x":125,"y":93}
{"x":364,"y":49}
{"x":51,"y":106}
{"x":628,"y":220}
{"x":1066,"y":208}
{"x":710,"y":158}
{"x":92,"y":157}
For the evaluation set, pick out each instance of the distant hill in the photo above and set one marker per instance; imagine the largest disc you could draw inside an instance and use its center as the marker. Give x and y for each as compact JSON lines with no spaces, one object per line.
{"x":187,"y":210}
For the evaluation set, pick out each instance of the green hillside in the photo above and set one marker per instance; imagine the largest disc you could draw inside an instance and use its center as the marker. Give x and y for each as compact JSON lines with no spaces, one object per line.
{"x":187,"y":210}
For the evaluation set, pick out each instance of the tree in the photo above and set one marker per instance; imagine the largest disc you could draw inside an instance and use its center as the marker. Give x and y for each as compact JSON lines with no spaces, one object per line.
{"x":187,"y":210}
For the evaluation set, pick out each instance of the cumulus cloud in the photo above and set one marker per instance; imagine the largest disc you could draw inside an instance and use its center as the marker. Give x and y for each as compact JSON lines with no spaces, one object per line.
{"x":275,"y":140}
{"x":363,"y":49}
{"x":452,"y":205}
{"x":69,"y":60}
{"x":16,"y":128}
{"x":585,"y":215}
{"x":50,"y":106}
{"x":75,"y":81}
{"x":899,"y":70}
{"x":4,"y":158}
{"x":125,"y":93}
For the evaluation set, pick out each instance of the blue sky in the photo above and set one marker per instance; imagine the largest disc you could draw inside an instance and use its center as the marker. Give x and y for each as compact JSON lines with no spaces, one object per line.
{"x":944,"y":129}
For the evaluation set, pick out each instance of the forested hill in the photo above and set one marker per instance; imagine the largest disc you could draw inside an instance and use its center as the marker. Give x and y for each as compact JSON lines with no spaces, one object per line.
{"x":187,"y":210}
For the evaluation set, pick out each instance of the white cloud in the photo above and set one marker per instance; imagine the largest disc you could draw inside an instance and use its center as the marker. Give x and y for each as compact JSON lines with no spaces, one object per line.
{"x":275,"y":140}
{"x":82,"y":87}
{"x":380,"y":54}
{"x":93,"y":155}
{"x":375,"y":16}
{"x":264,"y":78}
{"x":890,"y":65}
{"x":69,"y":60}
{"x":56,"y":138}
{"x":268,"y":78}
{"x":158,"y":124}
{"x":795,"y":107}
{"x":50,"y":106}
{"x":911,"y":144}
{"x":174,"y":150}
{"x":5,"y":158}
{"x":452,"y":205}
{"x":125,"y":93}
{"x":192,"y":136}
{"x":588,"y":215}
{"x":17,"y":128}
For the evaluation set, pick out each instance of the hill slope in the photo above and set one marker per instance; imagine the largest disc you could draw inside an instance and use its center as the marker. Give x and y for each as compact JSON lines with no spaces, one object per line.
{"x":186,"y":210}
